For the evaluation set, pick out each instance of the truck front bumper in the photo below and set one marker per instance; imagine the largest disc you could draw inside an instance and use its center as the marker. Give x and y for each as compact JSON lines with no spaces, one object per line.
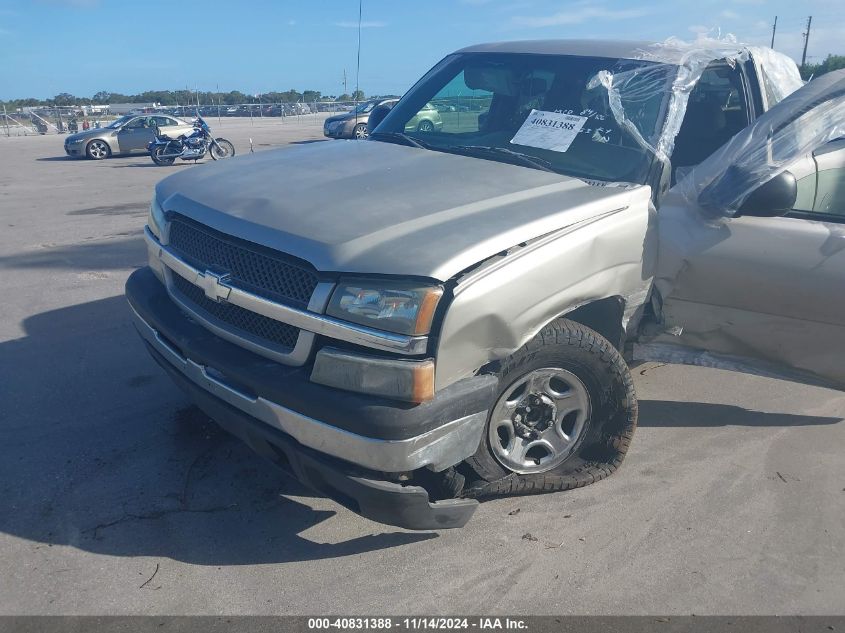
{"x":340,"y":444}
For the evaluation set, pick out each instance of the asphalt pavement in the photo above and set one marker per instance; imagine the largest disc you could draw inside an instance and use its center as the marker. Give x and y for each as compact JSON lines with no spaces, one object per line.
{"x":117,"y":497}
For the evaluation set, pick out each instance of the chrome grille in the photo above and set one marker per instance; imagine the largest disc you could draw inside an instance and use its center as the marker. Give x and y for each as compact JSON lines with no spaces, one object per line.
{"x":279,"y":336}
{"x":262,"y":273}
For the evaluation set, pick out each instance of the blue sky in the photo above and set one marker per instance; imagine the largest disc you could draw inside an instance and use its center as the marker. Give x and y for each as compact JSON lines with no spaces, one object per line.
{"x":83,"y":46}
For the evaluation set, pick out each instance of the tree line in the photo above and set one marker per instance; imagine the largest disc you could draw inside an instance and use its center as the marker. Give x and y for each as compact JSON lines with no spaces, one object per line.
{"x":183,"y":97}
{"x":186,"y":97}
{"x":831,"y":62}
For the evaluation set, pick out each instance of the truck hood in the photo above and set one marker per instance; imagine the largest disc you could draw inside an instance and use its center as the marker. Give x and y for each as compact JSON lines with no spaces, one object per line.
{"x":376,"y":207}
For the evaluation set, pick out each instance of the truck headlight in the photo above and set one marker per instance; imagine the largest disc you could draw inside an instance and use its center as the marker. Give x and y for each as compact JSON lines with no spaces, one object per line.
{"x":402,"y":308}
{"x":155,"y":220}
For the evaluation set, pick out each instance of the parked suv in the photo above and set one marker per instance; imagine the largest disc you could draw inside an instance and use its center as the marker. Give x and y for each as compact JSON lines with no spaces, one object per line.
{"x":414,"y":322}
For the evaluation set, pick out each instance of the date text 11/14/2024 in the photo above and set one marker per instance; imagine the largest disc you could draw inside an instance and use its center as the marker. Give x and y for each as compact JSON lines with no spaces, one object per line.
{"x":416,"y":624}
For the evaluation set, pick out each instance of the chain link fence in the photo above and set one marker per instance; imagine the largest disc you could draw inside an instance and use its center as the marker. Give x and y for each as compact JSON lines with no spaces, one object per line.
{"x":70,"y":119}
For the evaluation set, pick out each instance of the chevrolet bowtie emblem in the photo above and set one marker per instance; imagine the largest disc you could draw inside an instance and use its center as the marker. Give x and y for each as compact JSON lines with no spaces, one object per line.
{"x":214,"y":285}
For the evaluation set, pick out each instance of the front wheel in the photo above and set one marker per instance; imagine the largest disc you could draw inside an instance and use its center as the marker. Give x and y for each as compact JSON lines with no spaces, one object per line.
{"x":425,"y":126}
{"x":156,"y":154}
{"x":564,"y":416}
{"x":360,"y":131}
{"x":98,"y":150}
{"x":221,"y":148}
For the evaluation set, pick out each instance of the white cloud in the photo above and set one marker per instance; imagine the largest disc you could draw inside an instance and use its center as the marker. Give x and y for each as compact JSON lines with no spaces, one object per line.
{"x":364,"y":24}
{"x":699,"y":29}
{"x":577,"y":15}
{"x":727,"y":14}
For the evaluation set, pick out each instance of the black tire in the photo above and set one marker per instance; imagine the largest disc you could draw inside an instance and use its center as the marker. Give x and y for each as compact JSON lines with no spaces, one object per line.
{"x":97,"y":150}
{"x":155,"y":154}
{"x":425,"y":126}
{"x":360,"y":131}
{"x":605,"y":436}
{"x":223,"y":149}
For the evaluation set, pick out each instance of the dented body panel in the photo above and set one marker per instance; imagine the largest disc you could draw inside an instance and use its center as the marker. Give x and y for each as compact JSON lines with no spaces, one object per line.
{"x":502,"y":305}
{"x":766,"y":290}
{"x":763,"y":293}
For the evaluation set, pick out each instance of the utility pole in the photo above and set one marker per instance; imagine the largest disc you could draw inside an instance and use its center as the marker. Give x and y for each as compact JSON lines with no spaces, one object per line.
{"x":358,"y":62}
{"x":774,"y":28}
{"x":806,"y":41}
{"x":344,"y":82}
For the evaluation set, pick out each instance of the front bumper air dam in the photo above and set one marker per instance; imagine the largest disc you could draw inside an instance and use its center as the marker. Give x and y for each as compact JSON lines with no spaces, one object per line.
{"x":382,"y":501}
{"x":358,"y":487}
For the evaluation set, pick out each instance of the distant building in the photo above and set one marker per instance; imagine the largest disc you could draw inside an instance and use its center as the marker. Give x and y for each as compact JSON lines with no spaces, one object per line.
{"x":89,"y":110}
{"x":126,"y":108}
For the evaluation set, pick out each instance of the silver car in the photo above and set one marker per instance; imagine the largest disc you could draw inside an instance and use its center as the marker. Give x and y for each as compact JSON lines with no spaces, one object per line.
{"x":130,"y":133}
{"x":353,"y":124}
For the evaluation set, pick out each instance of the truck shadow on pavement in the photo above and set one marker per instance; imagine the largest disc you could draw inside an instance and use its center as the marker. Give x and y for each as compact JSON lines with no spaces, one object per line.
{"x":117,"y":251}
{"x":669,"y":413}
{"x":102,"y":453}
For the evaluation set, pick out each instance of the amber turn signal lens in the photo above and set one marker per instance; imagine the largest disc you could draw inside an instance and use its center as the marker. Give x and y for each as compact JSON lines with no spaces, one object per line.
{"x":428,"y":305}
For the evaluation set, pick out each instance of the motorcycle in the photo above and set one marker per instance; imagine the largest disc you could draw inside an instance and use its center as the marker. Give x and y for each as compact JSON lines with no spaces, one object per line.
{"x":165,"y":150}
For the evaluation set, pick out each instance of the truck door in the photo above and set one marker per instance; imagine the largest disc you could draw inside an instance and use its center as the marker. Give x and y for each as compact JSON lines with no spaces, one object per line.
{"x":745,"y":280}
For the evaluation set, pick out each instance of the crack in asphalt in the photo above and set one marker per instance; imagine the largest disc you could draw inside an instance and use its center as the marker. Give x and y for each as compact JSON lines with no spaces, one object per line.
{"x":153,"y":515}
{"x":183,"y":507}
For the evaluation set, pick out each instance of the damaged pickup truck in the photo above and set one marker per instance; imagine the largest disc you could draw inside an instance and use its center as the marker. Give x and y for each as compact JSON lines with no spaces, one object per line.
{"x":422,"y":319}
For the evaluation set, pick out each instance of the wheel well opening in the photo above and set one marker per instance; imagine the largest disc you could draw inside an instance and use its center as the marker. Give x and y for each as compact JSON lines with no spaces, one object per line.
{"x":604,"y":316}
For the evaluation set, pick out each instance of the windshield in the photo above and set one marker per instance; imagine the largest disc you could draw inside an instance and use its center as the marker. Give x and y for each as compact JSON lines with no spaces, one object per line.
{"x":552,"y":109}
{"x":121,"y":121}
{"x":364,"y":107}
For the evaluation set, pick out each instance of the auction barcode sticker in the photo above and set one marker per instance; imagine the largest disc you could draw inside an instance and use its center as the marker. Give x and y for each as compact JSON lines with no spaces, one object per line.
{"x":554,"y":131}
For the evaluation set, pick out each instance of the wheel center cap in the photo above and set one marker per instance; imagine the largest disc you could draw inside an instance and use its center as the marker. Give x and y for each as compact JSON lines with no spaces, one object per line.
{"x":534,"y":415}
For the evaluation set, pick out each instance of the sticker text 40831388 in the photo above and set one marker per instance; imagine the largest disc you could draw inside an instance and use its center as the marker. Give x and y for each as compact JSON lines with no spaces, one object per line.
{"x":554,"y":131}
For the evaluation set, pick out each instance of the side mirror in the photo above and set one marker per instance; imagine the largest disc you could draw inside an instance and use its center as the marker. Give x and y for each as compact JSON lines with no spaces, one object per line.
{"x":377,"y":116}
{"x":773,"y":198}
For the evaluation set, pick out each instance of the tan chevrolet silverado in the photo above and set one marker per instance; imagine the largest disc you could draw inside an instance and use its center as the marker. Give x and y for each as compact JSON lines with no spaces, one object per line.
{"x":419,"y":320}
